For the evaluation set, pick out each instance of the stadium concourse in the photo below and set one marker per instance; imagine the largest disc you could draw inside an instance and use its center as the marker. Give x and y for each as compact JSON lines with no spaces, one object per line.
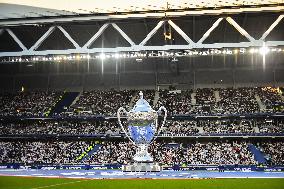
{"x":212,"y":70}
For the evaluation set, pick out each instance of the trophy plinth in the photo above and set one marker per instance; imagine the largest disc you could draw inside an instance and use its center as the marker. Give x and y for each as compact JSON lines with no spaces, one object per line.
{"x":142,"y":130}
{"x":142,"y":167}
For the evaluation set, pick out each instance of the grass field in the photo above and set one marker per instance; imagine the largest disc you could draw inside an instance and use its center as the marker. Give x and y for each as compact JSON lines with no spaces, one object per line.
{"x":7,"y":182}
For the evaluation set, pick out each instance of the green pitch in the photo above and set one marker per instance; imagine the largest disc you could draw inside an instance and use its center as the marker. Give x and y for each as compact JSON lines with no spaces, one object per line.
{"x":55,"y":183}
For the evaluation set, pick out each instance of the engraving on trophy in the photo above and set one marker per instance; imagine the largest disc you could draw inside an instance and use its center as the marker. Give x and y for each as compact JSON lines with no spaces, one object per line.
{"x":142,"y":127}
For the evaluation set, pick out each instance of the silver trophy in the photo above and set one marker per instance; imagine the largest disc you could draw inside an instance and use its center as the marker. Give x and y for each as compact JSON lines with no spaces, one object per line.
{"x":143,"y":127}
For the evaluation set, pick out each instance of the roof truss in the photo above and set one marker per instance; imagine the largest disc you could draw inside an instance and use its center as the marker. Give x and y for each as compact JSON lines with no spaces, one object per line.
{"x":141,"y":46}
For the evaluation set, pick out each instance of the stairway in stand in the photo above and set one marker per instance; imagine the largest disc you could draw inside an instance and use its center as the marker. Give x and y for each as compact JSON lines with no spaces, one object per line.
{"x":87,"y":154}
{"x":258,"y":155}
{"x":66,"y":100}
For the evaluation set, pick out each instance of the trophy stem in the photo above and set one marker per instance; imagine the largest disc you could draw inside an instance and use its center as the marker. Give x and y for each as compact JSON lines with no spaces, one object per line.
{"x":142,"y":154}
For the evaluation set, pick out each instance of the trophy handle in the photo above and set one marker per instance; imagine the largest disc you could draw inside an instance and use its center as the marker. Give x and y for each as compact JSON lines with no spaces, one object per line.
{"x":121,"y":109}
{"x":163,"y":123}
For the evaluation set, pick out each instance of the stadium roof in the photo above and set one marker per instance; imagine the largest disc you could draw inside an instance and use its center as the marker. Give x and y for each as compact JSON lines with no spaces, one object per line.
{"x":49,"y":27}
{"x":113,"y":9}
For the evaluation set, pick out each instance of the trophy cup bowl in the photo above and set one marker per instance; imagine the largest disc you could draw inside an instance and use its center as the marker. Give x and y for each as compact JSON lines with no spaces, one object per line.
{"x":142,"y":130}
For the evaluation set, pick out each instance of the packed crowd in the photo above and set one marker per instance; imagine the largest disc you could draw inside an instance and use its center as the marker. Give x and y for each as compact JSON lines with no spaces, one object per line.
{"x":178,"y":102}
{"x":53,"y":152}
{"x":189,"y":153}
{"x":100,"y":103}
{"x":28,"y":103}
{"x":270,"y":126}
{"x":271,"y":99}
{"x":206,"y":153}
{"x":206,"y":102}
{"x":238,"y":101}
{"x":227,"y":127}
{"x":171,"y":128}
{"x":61,"y":128}
{"x":59,"y":152}
{"x":179,"y":128}
{"x":274,"y":152}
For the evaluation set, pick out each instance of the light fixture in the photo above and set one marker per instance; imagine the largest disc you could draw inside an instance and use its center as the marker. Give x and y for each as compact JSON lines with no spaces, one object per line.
{"x":102,"y":56}
{"x":251,"y":50}
{"x":264,"y":50}
{"x":116,"y":55}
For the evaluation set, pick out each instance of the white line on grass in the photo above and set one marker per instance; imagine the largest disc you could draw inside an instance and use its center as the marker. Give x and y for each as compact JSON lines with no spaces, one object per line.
{"x":59,"y":184}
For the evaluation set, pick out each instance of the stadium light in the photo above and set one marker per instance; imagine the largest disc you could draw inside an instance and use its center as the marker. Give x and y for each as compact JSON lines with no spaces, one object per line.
{"x":264,"y":50}
{"x":251,"y":50}
{"x":116,"y":55}
{"x":242,"y":50}
{"x":229,"y":51}
{"x":102,"y":56}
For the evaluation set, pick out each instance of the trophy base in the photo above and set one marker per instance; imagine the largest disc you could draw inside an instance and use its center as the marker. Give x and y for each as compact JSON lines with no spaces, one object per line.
{"x":142,"y":167}
{"x":142,"y":154}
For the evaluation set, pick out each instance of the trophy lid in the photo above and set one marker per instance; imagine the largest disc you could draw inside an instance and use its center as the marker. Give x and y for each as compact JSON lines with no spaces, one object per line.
{"x":142,"y":105}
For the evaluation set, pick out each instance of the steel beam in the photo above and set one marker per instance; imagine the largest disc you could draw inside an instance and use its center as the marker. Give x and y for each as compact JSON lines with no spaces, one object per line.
{"x":184,"y":36}
{"x":16,"y":39}
{"x":256,"y":43}
{"x":275,"y":23}
{"x":141,"y":47}
{"x":39,"y":42}
{"x":91,"y":41}
{"x":152,"y":33}
{"x":67,"y":35}
{"x":123,"y":34}
{"x":239,"y":28}
{"x":208,"y":32}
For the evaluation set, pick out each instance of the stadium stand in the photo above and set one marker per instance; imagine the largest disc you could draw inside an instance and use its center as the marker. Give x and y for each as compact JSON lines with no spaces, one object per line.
{"x":179,"y":103}
{"x":172,"y":128}
{"x":197,"y":153}
{"x":28,"y":103}
{"x":105,"y":103}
